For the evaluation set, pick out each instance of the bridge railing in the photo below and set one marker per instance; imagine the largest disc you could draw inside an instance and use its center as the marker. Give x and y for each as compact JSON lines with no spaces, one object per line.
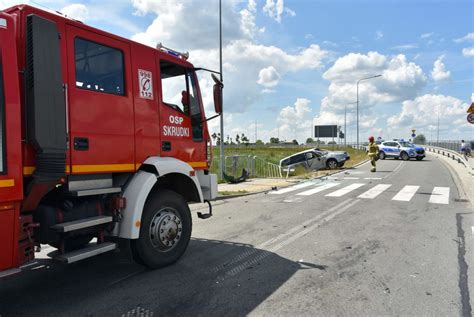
{"x":453,"y":154}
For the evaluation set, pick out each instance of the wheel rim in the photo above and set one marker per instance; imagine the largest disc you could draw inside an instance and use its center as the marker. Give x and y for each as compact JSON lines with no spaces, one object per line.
{"x":404,"y":156}
{"x":382,"y":155}
{"x":332,"y":164}
{"x":165,"y":229}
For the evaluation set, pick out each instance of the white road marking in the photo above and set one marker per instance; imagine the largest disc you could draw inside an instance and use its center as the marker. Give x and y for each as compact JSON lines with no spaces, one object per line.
{"x":440,"y":195}
{"x":472,"y":228}
{"x":406,"y":194}
{"x":318,"y":189}
{"x":345,"y":190}
{"x":374,"y":178}
{"x":351,"y":177}
{"x":375,"y":191}
{"x":292,"y":188}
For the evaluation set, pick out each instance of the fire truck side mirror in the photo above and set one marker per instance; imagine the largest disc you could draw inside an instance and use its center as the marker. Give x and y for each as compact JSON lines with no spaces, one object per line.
{"x":218,"y":86}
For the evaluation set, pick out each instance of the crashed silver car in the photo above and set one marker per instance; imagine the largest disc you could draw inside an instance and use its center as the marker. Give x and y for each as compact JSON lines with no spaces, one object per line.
{"x":316,"y":159}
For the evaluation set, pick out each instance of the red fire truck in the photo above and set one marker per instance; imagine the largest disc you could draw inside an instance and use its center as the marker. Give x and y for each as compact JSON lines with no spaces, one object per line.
{"x":102,"y":139}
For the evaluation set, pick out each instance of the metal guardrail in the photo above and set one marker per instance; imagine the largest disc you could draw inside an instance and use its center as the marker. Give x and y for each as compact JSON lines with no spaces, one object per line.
{"x":450,"y":154}
{"x":263,"y":168}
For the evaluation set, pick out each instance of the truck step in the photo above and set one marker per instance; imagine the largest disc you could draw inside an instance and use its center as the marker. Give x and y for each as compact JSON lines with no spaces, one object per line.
{"x":92,"y":249}
{"x":81,"y":224}
{"x":97,"y":191}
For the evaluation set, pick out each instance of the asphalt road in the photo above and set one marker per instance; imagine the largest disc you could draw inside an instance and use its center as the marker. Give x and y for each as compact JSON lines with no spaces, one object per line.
{"x":358,"y":243}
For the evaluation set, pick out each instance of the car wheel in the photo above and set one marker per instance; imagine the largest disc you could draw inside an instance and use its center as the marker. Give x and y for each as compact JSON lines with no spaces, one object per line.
{"x":331,"y":164}
{"x":404,"y":156}
{"x":382,"y":155}
{"x":165,"y":230}
{"x":419,"y":158}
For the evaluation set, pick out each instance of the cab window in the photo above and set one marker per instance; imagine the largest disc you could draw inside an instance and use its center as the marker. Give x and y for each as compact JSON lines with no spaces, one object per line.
{"x":174,"y":86}
{"x":99,"y":67}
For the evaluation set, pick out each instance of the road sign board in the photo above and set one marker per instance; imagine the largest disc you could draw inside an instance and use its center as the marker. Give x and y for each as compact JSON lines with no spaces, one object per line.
{"x":470,"y":118}
{"x":325,"y":131}
{"x":471,"y":108}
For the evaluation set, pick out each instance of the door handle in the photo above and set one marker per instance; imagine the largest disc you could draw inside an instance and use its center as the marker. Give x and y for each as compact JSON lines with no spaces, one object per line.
{"x":81,"y":144}
{"x":166,"y":146}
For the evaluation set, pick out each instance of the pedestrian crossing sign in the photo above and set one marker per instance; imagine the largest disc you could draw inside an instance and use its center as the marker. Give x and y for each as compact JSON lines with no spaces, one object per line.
{"x":471,"y":108}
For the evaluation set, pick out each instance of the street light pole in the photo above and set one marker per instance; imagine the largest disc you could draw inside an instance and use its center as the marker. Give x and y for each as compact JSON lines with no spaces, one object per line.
{"x":437,"y":133}
{"x":362,"y":79}
{"x":222,"y":159}
{"x":345,"y":131}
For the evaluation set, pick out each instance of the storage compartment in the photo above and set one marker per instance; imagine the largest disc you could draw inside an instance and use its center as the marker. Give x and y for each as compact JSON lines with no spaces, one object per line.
{"x":7,"y":236}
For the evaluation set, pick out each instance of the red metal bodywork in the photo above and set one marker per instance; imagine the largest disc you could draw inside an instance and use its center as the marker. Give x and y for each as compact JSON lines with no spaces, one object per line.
{"x":122,"y":130}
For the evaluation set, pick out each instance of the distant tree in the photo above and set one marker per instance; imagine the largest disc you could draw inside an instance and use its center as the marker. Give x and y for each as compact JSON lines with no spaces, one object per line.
{"x":294,"y":142}
{"x":419,"y":139}
{"x":309,"y":140}
{"x":244,"y":139}
{"x":274,"y":140}
{"x":217,"y":138}
{"x":237,"y":139}
{"x":259,"y":142}
{"x":332,"y":142}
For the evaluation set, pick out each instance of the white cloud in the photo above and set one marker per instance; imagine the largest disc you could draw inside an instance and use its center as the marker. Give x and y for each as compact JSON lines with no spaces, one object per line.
{"x":472,"y":97}
{"x":426,"y":35}
{"x":268,"y":77}
{"x":423,"y":112}
{"x":188,"y":25}
{"x":439,"y":72}
{"x":295,"y":121}
{"x":467,"y":38}
{"x":401,"y":80}
{"x":405,"y":47}
{"x":76,"y":11}
{"x":248,"y":59}
{"x":468,"y":51}
{"x":247,"y":18}
{"x":378,"y":35}
{"x":275,"y":9}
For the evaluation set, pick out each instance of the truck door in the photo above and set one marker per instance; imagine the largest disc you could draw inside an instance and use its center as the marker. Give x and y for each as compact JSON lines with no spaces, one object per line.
{"x":100,"y":103}
{"x":11,"y":178}
{"x":181,"y":115}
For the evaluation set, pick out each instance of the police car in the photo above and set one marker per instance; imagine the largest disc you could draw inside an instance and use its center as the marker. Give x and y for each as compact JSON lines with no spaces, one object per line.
{"x":400,"y":149}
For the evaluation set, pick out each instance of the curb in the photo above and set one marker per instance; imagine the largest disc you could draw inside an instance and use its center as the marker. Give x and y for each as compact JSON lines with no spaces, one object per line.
{"x":267,"y":190}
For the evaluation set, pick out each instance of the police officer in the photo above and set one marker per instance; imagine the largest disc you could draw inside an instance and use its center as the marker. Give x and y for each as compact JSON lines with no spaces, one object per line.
{"x":373,"y":152}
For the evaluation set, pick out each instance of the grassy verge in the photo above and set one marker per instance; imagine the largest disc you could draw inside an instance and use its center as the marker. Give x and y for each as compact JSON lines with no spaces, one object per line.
{"x":275,"y":154}
{"x":229,"y":193}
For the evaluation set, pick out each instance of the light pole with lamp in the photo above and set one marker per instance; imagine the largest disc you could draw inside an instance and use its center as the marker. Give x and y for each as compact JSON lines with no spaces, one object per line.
{"x":221,"y":145}
{"x":362,"y":79}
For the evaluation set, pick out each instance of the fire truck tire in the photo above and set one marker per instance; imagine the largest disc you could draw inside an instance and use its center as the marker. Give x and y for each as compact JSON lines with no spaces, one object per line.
{"x":165,"y":230}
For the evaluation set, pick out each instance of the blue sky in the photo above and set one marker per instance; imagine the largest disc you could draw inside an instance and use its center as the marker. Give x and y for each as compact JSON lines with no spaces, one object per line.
{"x":291,"y":64}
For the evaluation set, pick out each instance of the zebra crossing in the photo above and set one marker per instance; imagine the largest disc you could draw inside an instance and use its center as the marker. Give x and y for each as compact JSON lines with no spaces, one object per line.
{"x":439,"y":195}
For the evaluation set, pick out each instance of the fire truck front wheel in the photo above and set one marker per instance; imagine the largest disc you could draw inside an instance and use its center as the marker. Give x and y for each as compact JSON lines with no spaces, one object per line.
{"x":165,"y":229}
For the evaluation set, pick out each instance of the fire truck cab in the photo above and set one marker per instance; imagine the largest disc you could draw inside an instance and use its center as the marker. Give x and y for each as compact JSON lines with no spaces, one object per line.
{"x":101,"y":138}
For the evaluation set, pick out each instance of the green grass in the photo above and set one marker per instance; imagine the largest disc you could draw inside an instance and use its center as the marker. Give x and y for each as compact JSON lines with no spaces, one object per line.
{"x":275,"y":154}
{"x":229,"y":193}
